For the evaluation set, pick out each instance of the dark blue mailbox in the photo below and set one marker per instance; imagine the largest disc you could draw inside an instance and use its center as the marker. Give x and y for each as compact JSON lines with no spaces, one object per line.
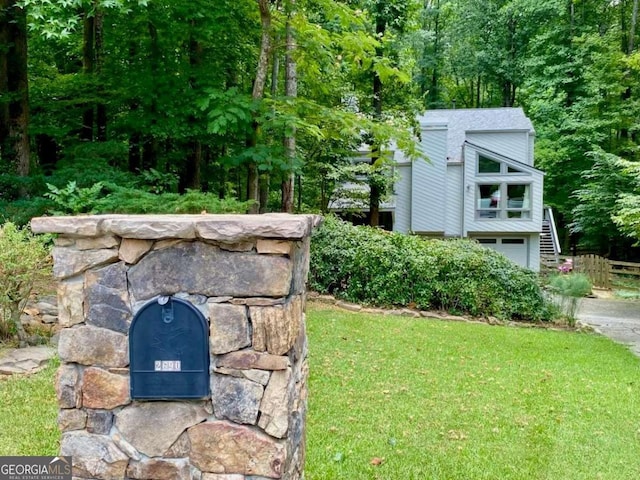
{"x":169,"y":351}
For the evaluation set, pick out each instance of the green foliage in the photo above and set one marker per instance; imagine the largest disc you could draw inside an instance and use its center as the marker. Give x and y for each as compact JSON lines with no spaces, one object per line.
{"x":574,"y":285}
{"x":128,"y":200}
{"x":568,"y":290}
{"x":158,"y":182}
{"x":22,"y":211}
{"x":23,"y":260}
{"x":627,"y":213}
{"x":73,"y":200}
{"x":109,"y":198}
{"x":602,"y":186}
{"x":372,"y":266}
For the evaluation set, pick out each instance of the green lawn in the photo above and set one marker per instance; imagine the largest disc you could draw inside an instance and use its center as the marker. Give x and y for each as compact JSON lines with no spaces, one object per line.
{"x":438,"y":400}
{"x":28,"y":412}
{"x":429,"y":399}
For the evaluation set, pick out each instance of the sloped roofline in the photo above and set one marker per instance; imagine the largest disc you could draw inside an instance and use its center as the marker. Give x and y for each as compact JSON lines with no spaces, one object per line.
{"x":504,"y":158}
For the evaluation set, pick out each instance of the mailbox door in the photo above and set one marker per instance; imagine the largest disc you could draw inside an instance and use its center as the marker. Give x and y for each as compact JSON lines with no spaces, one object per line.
{"x":169,"y":351}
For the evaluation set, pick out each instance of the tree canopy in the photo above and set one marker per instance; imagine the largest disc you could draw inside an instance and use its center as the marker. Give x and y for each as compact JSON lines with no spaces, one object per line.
{"x":265,"y":101}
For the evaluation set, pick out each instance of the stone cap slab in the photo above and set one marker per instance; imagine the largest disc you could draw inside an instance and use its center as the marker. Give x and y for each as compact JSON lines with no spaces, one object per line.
{"x":222,"y":228}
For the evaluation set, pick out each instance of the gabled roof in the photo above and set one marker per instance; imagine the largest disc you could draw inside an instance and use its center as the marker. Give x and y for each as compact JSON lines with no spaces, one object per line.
{"x":460,"y":121}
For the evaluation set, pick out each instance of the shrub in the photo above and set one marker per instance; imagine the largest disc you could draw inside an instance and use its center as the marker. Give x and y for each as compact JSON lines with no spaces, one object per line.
{"x":23,"y":258}
{"x":367,"y":265}
{"x":568,"y":290}
{"x":110,"y":198}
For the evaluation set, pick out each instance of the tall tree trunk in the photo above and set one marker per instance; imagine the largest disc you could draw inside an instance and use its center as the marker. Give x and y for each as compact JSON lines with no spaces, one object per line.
{"x":150,"y":142}
{"x":374,"y":188}
{"x":101,"y":108}
{"x":191,"y":177}
{"x":291,"y":91}
{"x":253,"y":187}
{"x":4,"y":80}
{"x":135,"y":139}
{"x":433,"y":89}
{"x":88,"y":68}
{"x":632,"y":28}
{"x":265,"y":178}
{"x":14,"y":86}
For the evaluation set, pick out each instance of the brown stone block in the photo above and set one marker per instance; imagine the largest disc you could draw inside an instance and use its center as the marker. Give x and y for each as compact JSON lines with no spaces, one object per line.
{"x":99,"y":421}
{"x":150,"y":227}
{"x":222,"y":447}
{"x":82,"y":225}
{"x":204,"y":269}
{"x":300,"y":258}
{"x":255,"y":375}
{"x":159,"y":469}
{"x":229,"y":328}
{"x":278,"y":247}
{"x":274,"y":408}
{"x":101,"y":389}
{"x":68,"y":387}
{"x":72,"y":419}
{"x":88,"y":345}
{"x":106,"y":301}
{"x":248,"y":359}
{"x":94,"y":456}
{"x":275,"y":329}
{"x":180,"y":447}
{"x":68,"y":261}
{"x":70,"y":302}
{"x":153,"y":427}
{"x":236,"y":399}
{"x":97,"y":243}
{"x":131,"y":249}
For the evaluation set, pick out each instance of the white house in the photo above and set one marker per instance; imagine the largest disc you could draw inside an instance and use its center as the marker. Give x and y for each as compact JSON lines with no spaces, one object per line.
{"x":479,"y":182}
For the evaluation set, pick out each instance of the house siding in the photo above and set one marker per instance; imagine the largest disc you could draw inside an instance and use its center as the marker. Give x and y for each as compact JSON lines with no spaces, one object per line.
{"x":514,"y":145}
{"x":402,"y":193}
{"x":455,"y":197}
{"x":428,"y":186}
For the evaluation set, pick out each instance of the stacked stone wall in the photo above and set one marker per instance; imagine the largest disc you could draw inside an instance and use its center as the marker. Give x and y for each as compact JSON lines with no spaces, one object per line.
{"x":246,"y":274}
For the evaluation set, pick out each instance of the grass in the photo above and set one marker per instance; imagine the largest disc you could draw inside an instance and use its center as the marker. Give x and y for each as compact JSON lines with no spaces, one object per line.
{"x":436,"y":400}
{"x":626,"y":287}
{"x":28,"y":412}
{"x":427,"y":399}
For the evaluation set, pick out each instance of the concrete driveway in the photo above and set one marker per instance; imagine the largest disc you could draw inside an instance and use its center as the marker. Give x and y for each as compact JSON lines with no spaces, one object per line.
{"x":616,"y":319}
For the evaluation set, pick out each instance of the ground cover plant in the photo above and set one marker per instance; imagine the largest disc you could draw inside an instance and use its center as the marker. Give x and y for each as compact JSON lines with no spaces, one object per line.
{"x":397,"y":398}
{"x":371,"y":266}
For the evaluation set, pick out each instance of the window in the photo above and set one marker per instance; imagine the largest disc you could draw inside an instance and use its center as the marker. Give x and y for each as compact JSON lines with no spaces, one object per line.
{"x":489,"y":166}
{"x":486,"y":165}
{"x":503,"y":201}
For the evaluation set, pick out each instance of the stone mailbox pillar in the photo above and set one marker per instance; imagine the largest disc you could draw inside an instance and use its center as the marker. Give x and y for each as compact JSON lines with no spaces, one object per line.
{"x":246,"y":274}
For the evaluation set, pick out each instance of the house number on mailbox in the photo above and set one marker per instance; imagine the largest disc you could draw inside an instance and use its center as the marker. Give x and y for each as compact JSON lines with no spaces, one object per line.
{"x":169,"y":351}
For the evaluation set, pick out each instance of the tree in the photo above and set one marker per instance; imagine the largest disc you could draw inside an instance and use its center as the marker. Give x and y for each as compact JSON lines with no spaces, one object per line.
{"x":597,"y":204}
{"x":14,"y":88}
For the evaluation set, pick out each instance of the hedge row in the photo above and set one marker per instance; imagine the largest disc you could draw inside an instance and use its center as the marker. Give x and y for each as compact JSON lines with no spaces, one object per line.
{"x":371,"y":266}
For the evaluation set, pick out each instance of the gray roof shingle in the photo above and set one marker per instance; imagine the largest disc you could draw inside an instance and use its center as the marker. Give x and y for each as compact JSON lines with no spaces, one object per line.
{"x":462,"y":120}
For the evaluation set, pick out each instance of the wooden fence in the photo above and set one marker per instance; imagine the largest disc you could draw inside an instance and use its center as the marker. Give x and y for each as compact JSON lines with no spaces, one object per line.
{"x":599,"y":269}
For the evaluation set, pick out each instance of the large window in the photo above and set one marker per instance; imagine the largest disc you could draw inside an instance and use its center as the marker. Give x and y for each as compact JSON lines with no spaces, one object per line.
{"x":489,"y":166}
{"x":503,"y":200}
